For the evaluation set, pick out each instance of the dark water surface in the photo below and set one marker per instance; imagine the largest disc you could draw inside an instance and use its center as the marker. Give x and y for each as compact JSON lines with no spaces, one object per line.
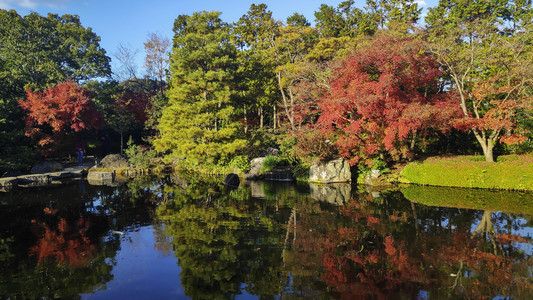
{"x":174,"y":238}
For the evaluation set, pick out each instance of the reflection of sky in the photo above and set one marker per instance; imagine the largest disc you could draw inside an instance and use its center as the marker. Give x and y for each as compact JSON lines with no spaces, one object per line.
{"x":519,"y":228}
{"x":141,"y":271}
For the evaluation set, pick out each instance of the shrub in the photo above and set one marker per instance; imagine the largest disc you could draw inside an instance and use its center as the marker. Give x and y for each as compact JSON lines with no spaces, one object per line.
{"x":240,"y":162}
{"x":270,"y":163}
{"x":140,"y":156}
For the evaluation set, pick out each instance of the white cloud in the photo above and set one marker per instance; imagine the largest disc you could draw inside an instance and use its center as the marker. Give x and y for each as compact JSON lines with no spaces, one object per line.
{"x":31,"y":4}
{"x":421,"y":3}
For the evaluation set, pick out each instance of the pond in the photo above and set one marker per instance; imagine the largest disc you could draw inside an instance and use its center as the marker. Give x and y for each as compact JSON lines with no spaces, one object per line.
{"x":185,"y":237}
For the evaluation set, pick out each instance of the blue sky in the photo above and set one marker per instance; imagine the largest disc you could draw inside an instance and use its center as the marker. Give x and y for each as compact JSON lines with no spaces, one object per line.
{"x":128,"y":22}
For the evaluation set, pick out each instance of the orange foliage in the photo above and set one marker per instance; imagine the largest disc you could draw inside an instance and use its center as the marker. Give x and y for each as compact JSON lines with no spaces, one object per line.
{"x":68,"y":245}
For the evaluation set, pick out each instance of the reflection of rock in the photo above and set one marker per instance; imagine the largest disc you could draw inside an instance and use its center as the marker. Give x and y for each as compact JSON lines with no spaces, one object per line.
{"x":335,"y":193}
{"x":257,"y":189}
{"x":337,"y":170}
{"x":7,"y":183}
{"x":102,"y":178}
{"x":46,"y":167}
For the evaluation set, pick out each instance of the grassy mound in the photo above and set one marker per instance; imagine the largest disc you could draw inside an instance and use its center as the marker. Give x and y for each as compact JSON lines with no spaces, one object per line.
{"x":513,"y":172}
{"x":479,"y":199}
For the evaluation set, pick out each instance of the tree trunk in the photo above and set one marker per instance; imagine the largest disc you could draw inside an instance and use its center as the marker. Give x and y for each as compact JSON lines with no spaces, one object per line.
{"x":285,"y":104}
{"x":275,"y":116}
{"x":261,"y":117}
{"x":487,"y":144}
{"x":245,"y":121}
{"x":413,"y":140}
{"x":121,"y":143}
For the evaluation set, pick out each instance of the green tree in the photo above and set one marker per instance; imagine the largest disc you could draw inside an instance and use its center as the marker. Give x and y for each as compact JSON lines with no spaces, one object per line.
{"x":347,"y":20}
{"x":36,"y":51}
{"x":255,"y":34}
{"x":200,"y":122}
{"x":485,"y":47}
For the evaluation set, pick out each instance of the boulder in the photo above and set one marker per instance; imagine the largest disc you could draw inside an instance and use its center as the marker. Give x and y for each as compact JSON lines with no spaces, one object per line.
{"x":271,"y":151}
{"x":232,"y":181}
{"x":255,"y":170}
{"x":113,"y":161}
{"x":47,"y":167}
{"x":337,"y":170}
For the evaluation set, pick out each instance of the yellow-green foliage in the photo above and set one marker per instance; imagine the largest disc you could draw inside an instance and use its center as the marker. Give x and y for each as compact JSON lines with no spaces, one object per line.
{"x":480,"y":199}
{"x":510,"y":172}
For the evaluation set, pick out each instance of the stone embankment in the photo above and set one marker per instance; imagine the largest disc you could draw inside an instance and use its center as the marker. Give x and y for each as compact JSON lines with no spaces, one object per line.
{"x":44,"y":179}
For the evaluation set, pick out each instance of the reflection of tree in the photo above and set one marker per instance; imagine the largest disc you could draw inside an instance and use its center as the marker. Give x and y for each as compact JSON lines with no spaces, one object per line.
{"x":71,"y":258}
{"x":388,"y":247}
{"x":222,"y":240}
{"x":68,"y":245}
{"x":67,"y":249}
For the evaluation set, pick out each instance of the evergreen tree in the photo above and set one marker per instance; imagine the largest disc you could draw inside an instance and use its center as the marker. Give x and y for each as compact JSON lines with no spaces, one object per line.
{"x":200,"y":122}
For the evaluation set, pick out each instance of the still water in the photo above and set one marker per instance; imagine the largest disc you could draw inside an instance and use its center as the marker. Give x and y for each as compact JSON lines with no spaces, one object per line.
{"x":182,"y":237}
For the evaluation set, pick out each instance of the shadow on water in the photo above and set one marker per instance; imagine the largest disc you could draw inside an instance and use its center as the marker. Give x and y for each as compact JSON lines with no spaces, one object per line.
{"x":269,"y":239}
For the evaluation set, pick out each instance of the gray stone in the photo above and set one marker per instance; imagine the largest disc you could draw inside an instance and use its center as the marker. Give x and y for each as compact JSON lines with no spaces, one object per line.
{"x":8,"y":182}
{"x":337,"y":170}
{"x":255,"y":169}
{"x":376,"y":180}
{"x":47,"y":167}
{"x":334,"y":193}
{"x":271,"y":151}
{"x":113,"y":161}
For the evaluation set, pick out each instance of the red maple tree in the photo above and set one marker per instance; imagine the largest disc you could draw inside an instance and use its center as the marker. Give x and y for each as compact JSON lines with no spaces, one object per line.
{"x":382,"y":97}
{"x":135,"y":102}
{"x":59,"y":110}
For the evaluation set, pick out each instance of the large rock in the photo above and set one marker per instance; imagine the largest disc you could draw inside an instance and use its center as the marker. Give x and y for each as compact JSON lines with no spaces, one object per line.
{"x":47,"y":167}
{"x":113,"y":161}
{"x":332,"y":171}
{"x":255,"y":170}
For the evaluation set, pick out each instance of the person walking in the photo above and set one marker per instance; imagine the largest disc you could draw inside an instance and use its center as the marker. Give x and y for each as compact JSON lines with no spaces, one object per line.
{"x":80,"y":151}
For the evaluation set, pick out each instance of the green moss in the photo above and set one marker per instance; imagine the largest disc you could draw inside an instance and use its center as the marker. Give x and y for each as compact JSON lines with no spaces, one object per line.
{"x":480,"y":199}
{"x":513,"y":172}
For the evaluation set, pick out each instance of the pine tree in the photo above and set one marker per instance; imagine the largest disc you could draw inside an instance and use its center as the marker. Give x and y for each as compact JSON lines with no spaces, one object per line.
{"x":200,"y":123}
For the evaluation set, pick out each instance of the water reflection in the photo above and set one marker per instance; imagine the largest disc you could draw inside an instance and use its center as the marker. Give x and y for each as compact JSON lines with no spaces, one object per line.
{"x":266,"y":239}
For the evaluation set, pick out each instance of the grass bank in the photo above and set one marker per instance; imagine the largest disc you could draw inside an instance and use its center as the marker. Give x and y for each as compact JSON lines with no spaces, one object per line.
{"x":511,"y":172}
{"x":479,"y":199}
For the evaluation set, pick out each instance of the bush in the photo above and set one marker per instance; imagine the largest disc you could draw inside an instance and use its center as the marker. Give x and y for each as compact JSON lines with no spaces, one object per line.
{"x":241,"y":162}
{"x":270,"y":163}
{"x":301,"y":172}
{"x":140,"y":156}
